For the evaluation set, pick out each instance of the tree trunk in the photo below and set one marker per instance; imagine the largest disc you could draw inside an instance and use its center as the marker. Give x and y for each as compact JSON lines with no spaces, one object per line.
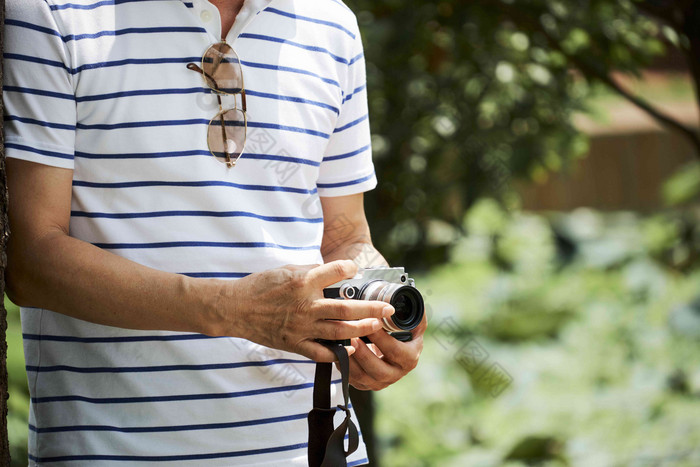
{"x":4,"y":442}
{"x":691,"y":29}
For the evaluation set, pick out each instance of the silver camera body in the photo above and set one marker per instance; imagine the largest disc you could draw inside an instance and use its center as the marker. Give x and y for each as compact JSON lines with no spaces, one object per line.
{"x":390,"y":285}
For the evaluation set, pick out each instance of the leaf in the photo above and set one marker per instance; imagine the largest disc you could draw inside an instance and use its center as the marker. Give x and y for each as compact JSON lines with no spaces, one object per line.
{"x":526,"y":321}
{"x":685,"y":319}
{"x":536,"y":449}
{"x":683,"y":186}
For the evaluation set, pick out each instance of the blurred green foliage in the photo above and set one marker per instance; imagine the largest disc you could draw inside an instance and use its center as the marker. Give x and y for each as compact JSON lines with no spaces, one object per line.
{"x":464,"y":96}
{"x":592,"y":321}
{"x":18,"y":403}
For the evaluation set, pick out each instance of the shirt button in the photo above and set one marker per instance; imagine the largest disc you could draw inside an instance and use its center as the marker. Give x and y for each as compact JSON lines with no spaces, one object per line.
{"x":205,"y":15}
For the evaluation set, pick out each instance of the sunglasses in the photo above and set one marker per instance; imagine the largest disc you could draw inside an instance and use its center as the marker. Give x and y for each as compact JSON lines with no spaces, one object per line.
{"x":226,"y":132}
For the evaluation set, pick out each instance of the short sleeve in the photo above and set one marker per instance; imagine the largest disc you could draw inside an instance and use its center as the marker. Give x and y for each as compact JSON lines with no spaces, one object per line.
{"x":347,"y":166}
{"x":38,"y":96}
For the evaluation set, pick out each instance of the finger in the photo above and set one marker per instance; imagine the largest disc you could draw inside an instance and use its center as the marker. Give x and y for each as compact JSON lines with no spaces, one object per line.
{"x":348,"y":310}
{"x":421,"y":328}
{"x":330,"y":273}
{"x":350,"y":350}
{"x":319,"y":352}
{"x":359,"y":379}
{"x":377,"y":369}
{"x":375,"y":350}
{"x":404,"y":355}
{"x":341,"y":330}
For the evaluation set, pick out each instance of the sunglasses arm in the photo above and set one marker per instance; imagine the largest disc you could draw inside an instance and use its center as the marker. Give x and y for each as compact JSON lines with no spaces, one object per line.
{"x":194,"y":67}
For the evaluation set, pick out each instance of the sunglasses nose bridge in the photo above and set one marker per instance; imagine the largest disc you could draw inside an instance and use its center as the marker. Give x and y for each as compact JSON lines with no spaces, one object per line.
{"x":220,"y":93}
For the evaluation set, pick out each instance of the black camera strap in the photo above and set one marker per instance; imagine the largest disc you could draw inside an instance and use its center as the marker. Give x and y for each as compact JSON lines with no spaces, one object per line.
{"x":326,"y":445}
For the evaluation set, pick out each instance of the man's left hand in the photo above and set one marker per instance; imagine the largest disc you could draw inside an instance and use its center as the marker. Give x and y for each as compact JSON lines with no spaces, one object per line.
{"x":387,"y":360}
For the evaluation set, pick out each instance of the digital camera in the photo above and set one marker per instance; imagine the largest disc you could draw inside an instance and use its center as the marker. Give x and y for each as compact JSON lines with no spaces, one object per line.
{"x":390,"y":285}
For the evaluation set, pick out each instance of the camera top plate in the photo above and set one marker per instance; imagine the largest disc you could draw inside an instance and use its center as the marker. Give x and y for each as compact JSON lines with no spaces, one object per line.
{"x":396,"y":275}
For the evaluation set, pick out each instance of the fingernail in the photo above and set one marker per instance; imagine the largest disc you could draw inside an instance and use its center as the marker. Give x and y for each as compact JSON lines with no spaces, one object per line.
{"x":377,"y":325}
{"x":388,"y":311}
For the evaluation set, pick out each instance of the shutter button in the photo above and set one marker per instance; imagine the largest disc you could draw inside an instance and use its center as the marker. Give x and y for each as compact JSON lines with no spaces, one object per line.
{"x":205,"y":15}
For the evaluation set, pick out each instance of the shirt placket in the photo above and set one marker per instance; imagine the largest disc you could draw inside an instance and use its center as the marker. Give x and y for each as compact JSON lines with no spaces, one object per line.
{"x":208,"y":16}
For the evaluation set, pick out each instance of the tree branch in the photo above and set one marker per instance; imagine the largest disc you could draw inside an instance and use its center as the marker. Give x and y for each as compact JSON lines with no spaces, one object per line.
{"x":641,"y":103}
{"x":691,"y":29}
{"x":594,"y":71}
{"x":668,"y":11}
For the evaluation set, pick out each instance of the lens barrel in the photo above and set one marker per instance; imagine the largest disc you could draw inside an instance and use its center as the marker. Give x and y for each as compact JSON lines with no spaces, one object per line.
{"x":406,"y":300}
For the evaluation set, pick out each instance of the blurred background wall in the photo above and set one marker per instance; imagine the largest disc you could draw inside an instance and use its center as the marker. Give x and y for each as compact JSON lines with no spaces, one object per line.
{"x":631,"y":155}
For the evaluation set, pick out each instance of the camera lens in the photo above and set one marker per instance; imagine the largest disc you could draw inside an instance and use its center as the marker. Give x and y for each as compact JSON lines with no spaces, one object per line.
{"x":403,"y":306}
{"x":408,"y":303}
{"x":406,"y":300}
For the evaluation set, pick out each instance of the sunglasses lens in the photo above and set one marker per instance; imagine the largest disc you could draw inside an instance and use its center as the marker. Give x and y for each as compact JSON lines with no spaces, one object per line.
{"x":221,"y":63}
{"x":226,"y":135}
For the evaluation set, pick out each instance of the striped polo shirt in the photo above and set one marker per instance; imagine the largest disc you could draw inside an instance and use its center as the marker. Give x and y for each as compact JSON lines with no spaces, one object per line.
{"x":101,"y":87}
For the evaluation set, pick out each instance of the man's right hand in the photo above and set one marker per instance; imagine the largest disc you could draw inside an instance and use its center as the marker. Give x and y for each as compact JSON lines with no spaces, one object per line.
{"x":281,"y":308}
{"x":285,"y":309}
